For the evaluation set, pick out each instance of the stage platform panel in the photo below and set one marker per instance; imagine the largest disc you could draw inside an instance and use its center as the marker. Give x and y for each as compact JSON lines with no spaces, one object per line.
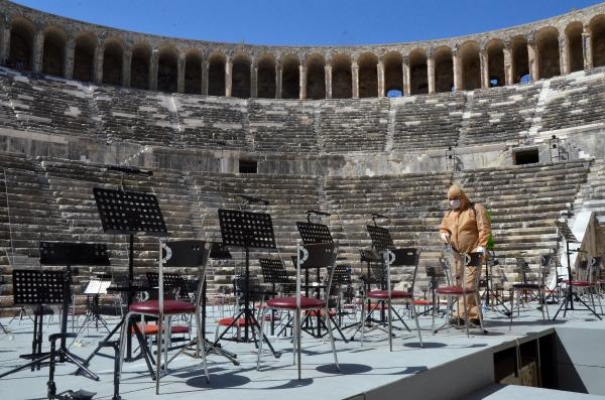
{"x":449,"y":366}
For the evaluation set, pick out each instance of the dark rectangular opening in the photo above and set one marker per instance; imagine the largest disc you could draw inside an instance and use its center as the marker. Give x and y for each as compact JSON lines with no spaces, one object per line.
{"x":248,"y":166}
{"x":526,"y":156}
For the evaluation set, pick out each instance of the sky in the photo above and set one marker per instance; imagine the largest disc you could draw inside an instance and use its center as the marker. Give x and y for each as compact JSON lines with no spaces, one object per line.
{"x":309,"y":22}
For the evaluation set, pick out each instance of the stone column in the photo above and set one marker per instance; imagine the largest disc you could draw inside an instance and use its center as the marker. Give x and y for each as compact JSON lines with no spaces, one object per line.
{"x":126,"y":67}
{"x":302,"y":71}
{"x":180,"y":80}
{"x":587,"y":47}
{"x":532,"y":59}
{"x":153,"y":69}
{"x":205,"y":67}
{"x":6,"y":40}
{"x":328,"y":69}
{"x":564,"y":54}
{"x":484,"y":61}
{"x":97,"y":68}
{"x":508,"y":63}
{"x":38,"y":49}
{"x":254,"y":80}
{"x":278,"y":80}
{"x":69,"y":59}
{"x":405,"y":68}
{"x":430,"y":68}
{"x":458,"y":83}
{"x":355,"y":79}
{"x":228,"y":78}
{"x":380,"y":72}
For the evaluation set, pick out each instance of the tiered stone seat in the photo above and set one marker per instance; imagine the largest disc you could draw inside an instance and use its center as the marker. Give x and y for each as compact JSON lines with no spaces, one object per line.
{"x":354,"y":125}
{"x":592,"y":194}
{"x":289,"y":199}
{"x":525,"y":201}
{"x":213,"y":123}
{"x":137,"y":116}
{"x":501,"y":114}
{"x":50,"y":105}
{"x":283,"y":126}
{"x":573,"y":101}
{"x":426,"y":122}
{"x":8,"y":119}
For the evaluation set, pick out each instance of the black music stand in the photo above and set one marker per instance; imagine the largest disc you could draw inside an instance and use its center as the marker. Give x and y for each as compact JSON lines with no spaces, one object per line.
{"x":381,"y":241}
{"x":312,"y":233}
{"x":247,"y":230}
{"x":94,"y":288}
{"x":128,"y":213}
{"x":490,"y":294}
{"x":68,"y":255}
{"x":274,"y":273}
{"x":570,"y":296}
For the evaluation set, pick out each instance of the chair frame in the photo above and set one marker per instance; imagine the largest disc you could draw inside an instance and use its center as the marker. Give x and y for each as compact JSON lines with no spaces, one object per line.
{"x":389,"y":257}
{"x":163,"y":310}
{"x":306,"y":253}
{"x":524,"y":287}
{"x":456,"y":291}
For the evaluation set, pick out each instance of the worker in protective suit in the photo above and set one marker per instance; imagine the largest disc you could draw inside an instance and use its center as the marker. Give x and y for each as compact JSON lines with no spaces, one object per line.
{"x":466,"y":227}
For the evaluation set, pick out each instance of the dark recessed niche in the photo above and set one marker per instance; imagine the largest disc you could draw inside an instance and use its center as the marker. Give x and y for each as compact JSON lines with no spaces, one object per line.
{"x":526,"y":156}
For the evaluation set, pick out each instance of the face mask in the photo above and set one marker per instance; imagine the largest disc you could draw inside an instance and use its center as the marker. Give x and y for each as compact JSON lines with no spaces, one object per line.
{"x":455,"y":203}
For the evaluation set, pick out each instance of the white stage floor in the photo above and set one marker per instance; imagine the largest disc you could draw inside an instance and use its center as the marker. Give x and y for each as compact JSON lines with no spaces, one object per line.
{"x":449,"y":366}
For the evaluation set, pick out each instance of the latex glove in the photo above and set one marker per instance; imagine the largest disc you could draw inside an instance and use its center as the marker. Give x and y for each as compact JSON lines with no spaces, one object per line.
{"x":481,"y":250}
{"x":445,"y":238}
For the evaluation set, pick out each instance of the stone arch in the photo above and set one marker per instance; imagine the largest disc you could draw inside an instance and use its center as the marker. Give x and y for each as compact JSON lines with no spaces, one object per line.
{"x":444,"y":69}
{"x":193,"y":72}
{"x":168,"y":69}
{"x":342,"y":83}
{"x":240,"y":76}
{"x":575,"y":55}
{"x":216,"y":74}
{"x":290,"y":87}
{"x":113,"y":59}
{"x":419,"y":79}
{"x":393,"y":72}
{"x":495,"y":63}
{"x":597,"y":29}
{"x":53,"y":55}
{"x":21,"y":51}
{"x":470,"y":66}
{"x":547,"y":46}
{"x":368,"y":75}
{"x":84,"y":57}
{"x":266,"y":76}
{"x":316,"y":77}
{"x":139,"y":66}
{"x":520,"y":55}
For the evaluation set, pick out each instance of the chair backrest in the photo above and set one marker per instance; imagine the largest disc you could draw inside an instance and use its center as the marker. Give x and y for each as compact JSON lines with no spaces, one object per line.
{"x":173,"y":283}
{"x":183,"y":253}
{"x":316,"y":255}
{"x":403,"y":257}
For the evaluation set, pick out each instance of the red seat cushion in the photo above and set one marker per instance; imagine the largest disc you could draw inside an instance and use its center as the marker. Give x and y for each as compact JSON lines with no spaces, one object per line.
{"x":170,"y":307}
{"x":578,"y":283}
{"x":152,"y":329}
{"x":454,"y":290}
{"x":229,"y":320}
{"x":290,"y":302}
{"x":384,"y":294}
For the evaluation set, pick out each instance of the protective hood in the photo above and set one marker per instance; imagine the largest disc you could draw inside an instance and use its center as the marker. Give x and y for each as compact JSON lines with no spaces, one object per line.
{"x":456,"y":192}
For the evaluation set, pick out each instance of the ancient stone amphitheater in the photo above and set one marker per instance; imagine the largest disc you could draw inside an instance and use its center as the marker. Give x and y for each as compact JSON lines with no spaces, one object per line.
{"x":514,"y":115}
